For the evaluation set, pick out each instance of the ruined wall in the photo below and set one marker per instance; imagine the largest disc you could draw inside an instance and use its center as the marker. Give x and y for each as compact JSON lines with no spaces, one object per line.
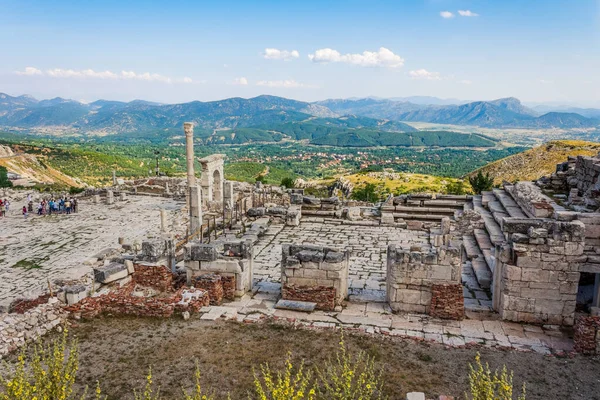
{"x":314,"y":274}
{"x":157,"y":276}
{"x":16,"y":329}
{"x":586,"y":335}
{"x":537,"y":273}
{"x":283,"y":215}
{"x":413,"y":273}
{"x":233,"y":260}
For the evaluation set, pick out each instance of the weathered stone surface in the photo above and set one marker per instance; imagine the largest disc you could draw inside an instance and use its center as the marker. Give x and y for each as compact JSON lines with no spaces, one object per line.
{"x":110,"y":273}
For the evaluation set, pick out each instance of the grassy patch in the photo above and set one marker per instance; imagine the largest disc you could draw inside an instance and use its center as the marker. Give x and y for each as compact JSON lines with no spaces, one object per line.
{"x":27,"y":264}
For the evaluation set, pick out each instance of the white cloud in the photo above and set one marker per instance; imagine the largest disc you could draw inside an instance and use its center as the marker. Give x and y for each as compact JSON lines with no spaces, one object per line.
{"x":276,"y":54}
{"x":288,"y":83}
{"x":381,"y":58}
{"x":465,"y":82}
{"x":446,"y":14}
{"x":240,"y":81}
{"x":29,"y":71}
{"x":467,"y":13}
{"x":91,"y":74}
{"x":424,"y":74}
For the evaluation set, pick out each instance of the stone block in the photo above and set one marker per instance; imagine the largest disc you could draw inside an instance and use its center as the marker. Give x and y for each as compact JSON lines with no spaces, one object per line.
{"x":75,"y":293}
{"x":200,"y":252}
{"x":110,"y":273}
{"x":130,"y":267}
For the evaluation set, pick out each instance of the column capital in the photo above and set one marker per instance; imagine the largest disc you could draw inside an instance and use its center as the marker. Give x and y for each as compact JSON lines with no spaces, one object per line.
{"x":188,"y":128}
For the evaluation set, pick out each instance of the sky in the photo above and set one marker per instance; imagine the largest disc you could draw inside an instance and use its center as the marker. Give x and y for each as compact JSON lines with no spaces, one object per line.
{"x":179,"y":51}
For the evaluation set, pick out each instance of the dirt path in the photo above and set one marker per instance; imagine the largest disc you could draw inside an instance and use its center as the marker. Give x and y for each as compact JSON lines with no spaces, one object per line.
{"x":117,"y":352}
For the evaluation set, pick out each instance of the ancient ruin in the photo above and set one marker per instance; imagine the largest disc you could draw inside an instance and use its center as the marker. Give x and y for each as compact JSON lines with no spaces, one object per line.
{"x":487,"y":269}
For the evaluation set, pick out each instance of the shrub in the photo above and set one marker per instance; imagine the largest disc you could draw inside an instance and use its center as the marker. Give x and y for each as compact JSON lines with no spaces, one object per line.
{"x":148,"y":393}
{"x":197,"y":394}
{"x":50,"y":375}
{"x":481,"y":183}
{"x":4,"y":182}
{"x":76,"y":190}
{"x":349,"y":377}
{"x":288,"y":182}
{"x":486,"y":385}
{"x":457,"y":187}
{"x":368,"y":192}
{"x":288,"y":385}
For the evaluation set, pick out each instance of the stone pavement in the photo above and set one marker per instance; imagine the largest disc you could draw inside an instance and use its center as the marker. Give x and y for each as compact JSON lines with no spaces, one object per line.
{"x":377,"y":318}
{"x":38,"y":249}
{"x":367,"y":244}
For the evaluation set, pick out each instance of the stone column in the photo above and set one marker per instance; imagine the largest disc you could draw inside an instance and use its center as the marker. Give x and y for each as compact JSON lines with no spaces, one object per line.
{"x":114,"y":177}
{"x":110,"y":199}
{"x":195,"y":208}
{"x":96,"y":198}
{"x":228,"y":194}
{"x":122,"y":196}
{"x":163,"y":221}
{"x":188,"y":128}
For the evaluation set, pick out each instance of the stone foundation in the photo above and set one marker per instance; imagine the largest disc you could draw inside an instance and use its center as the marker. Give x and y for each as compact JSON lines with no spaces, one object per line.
{"x":213,"y":285}
{"x":232,"y":260}
{"x":153,"y":275}
{"x":412,"y":273}
{"x":537,"y":273}
{"x":315,"y":274}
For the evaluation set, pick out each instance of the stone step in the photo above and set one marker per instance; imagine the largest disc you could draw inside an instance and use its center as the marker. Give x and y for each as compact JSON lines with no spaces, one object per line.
{"x":493,"y":229}
{"x":471,"y":248}
{"x":510,"y":205}
{"x":482,"y":272}
{"x":468,"y":206}
{"x":426,"y":217}
{"x":483,"y":239}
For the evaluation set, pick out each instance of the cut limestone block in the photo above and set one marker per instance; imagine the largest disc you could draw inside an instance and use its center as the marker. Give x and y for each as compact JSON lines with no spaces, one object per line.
{"x":294,"y":305}
{"x":110,"y":273}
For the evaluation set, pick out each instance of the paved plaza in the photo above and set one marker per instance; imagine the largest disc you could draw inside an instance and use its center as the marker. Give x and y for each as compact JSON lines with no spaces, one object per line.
{"x":39,"y":249}
{"x":367,"y":246}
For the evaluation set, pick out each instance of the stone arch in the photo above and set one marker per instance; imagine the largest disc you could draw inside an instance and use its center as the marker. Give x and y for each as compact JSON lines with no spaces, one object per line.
{"x":212,"y":178}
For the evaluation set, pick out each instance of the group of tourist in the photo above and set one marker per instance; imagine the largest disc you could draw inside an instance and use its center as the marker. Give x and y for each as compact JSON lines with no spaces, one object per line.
{"x":53,"y":206}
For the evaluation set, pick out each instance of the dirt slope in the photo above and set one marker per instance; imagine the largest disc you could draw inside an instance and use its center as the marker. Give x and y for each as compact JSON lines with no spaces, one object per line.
{"x":32,"y":169}
{"x":539,"y":161}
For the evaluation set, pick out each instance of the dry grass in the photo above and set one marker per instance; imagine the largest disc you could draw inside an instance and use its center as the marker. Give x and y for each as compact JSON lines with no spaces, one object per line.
{"x":539,"y":161}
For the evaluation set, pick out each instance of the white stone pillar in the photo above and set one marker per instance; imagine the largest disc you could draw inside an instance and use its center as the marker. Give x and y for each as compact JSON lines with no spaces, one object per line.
{"x":195,"y":208}
{"x":110,"y":199}
{"x":188,"y":128}
{"x":96,"y":198}
{"x":163,"y":220}
{"x":114,"y":177}
{"x":122,"y":196}
{"x":228,"y":194}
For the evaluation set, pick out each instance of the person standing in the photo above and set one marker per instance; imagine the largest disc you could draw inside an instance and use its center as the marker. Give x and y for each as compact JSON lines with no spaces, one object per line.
{"x":6,"y":204}
{"x":68,"y":206}
{"x":25,"y":212}
{"x":2,"y":209}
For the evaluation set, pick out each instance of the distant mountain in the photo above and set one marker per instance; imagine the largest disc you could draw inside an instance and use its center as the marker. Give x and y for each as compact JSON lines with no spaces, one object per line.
{"x":586,"y":112}
{"x":266,"y":112}
{"x":501,"y":113}
{"x":429,"y":100}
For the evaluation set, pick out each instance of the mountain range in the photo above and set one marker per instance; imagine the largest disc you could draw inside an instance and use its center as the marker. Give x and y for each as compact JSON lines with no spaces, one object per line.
{"x":266,"y":112}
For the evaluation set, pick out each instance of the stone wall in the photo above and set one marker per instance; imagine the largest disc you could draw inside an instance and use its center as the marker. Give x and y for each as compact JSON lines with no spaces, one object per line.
{"x":413,"y":271}
{"x":314,"y":274}
{"x":537,"y":273}
{"x":233,"y":260}
{"x":17,"y":329}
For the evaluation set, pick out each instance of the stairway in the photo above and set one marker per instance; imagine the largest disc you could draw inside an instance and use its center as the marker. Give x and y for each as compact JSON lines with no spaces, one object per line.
{"x":479,"y":248}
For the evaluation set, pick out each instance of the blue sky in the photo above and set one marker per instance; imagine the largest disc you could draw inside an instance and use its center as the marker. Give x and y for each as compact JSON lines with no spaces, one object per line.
{"x":176,"y":51}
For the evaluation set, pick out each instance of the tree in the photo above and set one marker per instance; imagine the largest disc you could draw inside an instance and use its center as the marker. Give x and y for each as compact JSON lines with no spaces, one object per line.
{"x":288,"y":182}
{"x":481,"y":183}
{"x":4,"y":182}
{"x":366,"y":193}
